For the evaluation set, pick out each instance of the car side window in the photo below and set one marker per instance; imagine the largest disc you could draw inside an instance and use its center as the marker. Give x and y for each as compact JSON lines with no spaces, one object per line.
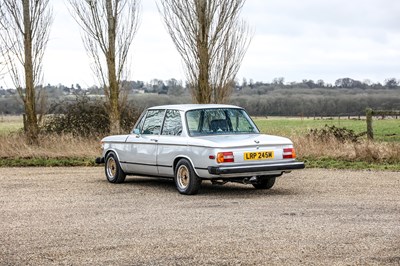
{"x":153,"y":121}
{"x":172,"y":124}
{"x":193,"y":119}
{"x":139,"y":125}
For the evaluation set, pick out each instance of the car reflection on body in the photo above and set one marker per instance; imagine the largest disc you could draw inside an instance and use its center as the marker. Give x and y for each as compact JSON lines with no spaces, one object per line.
{"x":195,"y":142}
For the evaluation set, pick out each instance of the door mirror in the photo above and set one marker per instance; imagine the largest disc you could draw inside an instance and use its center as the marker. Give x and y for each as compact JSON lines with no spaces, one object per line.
{"x":136,"y":131}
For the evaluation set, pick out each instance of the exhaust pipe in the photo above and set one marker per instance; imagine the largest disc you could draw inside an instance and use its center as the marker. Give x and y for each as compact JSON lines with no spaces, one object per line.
{"x":251,"y":180}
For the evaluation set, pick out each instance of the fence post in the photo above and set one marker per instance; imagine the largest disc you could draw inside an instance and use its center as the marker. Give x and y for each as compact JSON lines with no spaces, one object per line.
{"x":370,"y":131}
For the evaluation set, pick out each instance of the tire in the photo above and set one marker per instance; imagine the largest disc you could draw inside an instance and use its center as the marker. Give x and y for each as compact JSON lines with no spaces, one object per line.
{"x":186,"y":180}
{"x":265,"y":182}
{"x":113,"y":169}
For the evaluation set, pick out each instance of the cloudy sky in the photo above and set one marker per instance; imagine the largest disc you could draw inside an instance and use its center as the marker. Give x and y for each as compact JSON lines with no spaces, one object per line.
{"x":308,"y":39}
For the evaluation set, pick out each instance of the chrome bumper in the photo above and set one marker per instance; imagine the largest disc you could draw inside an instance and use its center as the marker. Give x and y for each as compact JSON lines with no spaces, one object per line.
{"x":249,"y":169}
{"x":99,"y":160}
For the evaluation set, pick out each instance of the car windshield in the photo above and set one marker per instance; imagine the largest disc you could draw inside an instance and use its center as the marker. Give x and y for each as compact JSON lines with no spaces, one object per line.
{"x":219,"y":121}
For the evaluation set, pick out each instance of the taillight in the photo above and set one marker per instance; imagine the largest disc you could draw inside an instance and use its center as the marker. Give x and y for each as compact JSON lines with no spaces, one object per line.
{"x":225,"y":157}
{"x":289,"y":153}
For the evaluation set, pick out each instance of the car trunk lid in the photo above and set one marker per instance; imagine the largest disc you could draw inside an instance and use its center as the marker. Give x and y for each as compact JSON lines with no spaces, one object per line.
{"x":249,"y":149}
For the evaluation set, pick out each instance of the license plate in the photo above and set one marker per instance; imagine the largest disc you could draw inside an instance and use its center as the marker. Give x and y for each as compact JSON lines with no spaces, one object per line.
{"x":258,"y":155}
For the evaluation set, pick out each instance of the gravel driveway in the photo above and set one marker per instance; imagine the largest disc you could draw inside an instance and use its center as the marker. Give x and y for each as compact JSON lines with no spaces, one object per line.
{"x":73,"y":216}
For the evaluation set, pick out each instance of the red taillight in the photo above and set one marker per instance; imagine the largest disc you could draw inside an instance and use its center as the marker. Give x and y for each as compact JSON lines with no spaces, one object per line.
{"x":289,"y":153}
{"x":225,"y":157}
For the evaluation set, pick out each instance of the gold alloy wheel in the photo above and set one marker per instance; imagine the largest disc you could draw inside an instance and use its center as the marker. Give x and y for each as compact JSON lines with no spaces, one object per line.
{"x":111,"y":167}
{"x":183,"y":176}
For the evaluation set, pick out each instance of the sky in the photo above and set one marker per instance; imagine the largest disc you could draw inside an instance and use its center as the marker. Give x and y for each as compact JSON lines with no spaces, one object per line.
{"x":308,"y":39}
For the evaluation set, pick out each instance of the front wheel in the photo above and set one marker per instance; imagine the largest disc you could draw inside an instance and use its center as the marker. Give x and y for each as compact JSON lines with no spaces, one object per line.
{"x":113,"y":170}
{"x":186,"y":180}
{"x":265,"y":182}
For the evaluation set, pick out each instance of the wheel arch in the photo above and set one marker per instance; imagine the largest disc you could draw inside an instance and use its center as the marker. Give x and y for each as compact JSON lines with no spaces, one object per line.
{"x":116,"y":154}
{"x":178,"y":158}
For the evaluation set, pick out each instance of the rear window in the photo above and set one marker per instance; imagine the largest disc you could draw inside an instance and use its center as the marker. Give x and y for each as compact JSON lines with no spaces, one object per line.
{"x":219,"y":121}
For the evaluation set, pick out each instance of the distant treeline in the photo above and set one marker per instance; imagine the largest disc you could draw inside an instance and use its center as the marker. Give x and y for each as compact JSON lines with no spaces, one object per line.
{"x":306,"y":103}
{"x":306,"y":98}
{"x":296,"y":102}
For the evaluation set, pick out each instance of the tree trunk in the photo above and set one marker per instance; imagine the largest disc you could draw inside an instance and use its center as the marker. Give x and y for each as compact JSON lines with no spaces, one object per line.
{"x":203,"y":91}
{"x":30,"y":105}
{"x":114,"y":112}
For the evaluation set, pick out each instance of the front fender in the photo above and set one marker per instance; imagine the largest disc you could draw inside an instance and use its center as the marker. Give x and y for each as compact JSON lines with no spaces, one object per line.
{"x":106,"y":152}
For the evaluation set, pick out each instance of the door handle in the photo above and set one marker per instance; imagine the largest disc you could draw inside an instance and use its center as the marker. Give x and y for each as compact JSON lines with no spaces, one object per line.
{"x":155,"y":140}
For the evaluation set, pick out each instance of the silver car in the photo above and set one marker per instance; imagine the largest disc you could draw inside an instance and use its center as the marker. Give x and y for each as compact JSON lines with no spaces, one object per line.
{"x":195,"y":142}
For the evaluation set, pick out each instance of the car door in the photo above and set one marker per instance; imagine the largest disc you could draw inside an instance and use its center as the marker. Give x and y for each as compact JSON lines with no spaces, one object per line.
{"x":171,"y":143}
{"x":141,"y":148}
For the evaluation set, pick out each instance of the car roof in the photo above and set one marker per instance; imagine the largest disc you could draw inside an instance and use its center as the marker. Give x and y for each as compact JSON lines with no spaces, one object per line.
{"x":187,"y":107}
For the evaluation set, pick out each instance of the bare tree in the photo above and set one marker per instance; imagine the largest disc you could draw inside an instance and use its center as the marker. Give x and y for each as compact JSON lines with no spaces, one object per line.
{"x":2,"y":52}
{"x":211,"y":40}
{"x":2,"y":65}
{"x":108,"y":30}
{"x":25,"y":26}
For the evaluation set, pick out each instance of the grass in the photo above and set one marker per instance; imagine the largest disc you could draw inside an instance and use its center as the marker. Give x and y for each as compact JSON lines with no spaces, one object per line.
{"x":332,"y":153}
{"x":335,"y":163}
{"x":384,"y":129}
{"x":46,"y":162}
{"x":54,"y":150}
{"x":9,"y":124}
{"x":67,"y":150}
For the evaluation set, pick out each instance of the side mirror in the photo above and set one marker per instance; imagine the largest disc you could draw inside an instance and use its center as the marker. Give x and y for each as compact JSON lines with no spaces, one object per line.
{"x":136,"y":131}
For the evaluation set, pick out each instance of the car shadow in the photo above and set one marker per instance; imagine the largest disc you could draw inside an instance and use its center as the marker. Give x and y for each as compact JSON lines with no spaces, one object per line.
{"x":243,"y":190}
{"x":155,"y":183}
{"x":165,"y":185}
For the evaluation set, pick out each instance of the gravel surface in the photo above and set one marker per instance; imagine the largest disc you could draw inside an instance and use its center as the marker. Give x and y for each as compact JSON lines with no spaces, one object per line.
{"x":73,"y":216}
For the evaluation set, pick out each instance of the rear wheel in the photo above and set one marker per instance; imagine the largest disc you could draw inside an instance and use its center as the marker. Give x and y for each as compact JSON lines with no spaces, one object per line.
{"x":265,"y":182}
{"x":186,"y":180}
{"x":113,"y":170}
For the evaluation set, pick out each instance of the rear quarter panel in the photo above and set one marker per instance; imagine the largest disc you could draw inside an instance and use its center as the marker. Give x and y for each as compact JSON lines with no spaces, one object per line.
{"x":169,"y":149}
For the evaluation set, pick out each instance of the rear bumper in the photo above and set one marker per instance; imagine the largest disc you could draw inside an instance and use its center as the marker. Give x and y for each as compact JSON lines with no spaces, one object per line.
{"x":251,"y":169}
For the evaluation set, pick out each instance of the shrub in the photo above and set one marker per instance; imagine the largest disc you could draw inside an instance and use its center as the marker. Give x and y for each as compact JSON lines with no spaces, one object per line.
{"x":340,"y":134}
{"x":85,"y":117}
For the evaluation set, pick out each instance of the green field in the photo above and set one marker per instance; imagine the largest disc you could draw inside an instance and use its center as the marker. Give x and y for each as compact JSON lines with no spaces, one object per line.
{"x":10,"y":124}
{"x":384,"y":129}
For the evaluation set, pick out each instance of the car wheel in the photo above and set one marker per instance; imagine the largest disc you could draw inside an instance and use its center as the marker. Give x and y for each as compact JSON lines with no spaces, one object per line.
{"x":265,"y":182}
{"x":186,"y":180}
{"x":113,"y":170}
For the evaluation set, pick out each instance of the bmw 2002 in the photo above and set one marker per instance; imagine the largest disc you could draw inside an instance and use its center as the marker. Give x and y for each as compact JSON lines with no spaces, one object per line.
{"x":195,"y":142}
